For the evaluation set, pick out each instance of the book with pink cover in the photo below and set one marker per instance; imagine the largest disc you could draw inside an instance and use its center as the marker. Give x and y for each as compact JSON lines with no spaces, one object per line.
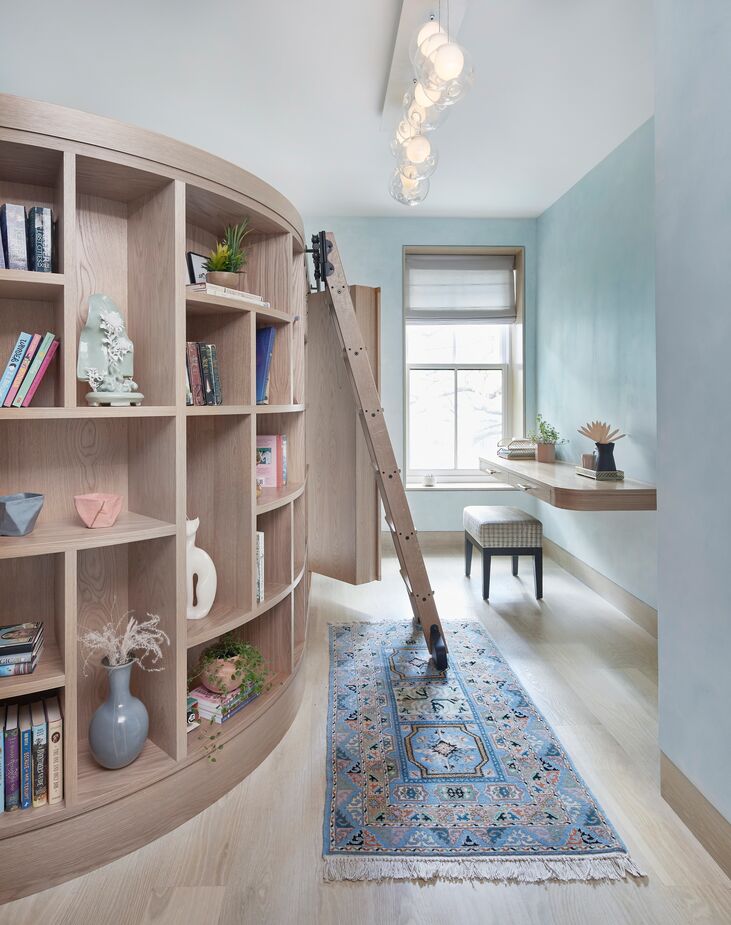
{"x":41,"y":373}
{"x":22,"y":370}
{"x":271,"y":460}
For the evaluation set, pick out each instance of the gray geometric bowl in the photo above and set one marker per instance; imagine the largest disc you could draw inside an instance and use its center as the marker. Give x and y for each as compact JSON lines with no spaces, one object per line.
{"x":19,"y":513}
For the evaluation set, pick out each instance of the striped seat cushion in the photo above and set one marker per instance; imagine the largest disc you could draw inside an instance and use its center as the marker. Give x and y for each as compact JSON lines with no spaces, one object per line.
{"x":502,"y":527}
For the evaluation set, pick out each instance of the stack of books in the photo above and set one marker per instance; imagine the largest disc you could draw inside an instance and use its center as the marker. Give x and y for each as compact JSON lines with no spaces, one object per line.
{"x":517,"y":448}
{"x":20,"y":648}
{"x":192,"y":717}
{"x":31,"y":754}
{"x":271,"y":460}
{"x":265,"y":338}
{"x":226,"y":293}
{"x":202,"y":377}
{"x":217,"y":708}
{"x":27,"y":239}
{"x":26,"y":367}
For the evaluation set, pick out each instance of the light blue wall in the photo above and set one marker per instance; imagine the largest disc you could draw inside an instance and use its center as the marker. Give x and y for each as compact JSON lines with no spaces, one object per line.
{"x":693,"y":193}
{"x":596,"y":347}
{"x":371,"y":249}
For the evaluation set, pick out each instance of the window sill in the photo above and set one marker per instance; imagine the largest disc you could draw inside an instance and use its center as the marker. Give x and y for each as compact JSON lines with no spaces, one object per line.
{"x":460,"y":486}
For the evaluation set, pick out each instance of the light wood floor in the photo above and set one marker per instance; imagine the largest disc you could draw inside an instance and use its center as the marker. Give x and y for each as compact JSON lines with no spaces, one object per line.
{"x":254,"y":857}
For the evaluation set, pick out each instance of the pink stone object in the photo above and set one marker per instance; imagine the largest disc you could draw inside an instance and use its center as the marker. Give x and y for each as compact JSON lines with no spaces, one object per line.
{"x":98,"y":509}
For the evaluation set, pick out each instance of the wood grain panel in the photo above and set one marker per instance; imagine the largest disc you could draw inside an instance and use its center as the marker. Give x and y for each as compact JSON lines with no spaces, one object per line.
{"x":151,"y":285}
{"x":269,"y":269}
{"x":344,"y":514}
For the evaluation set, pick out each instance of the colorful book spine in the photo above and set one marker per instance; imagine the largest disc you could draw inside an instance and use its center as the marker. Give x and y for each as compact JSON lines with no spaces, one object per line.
{"x":271,"y":460}
{"x":16,"y":659}
{"x":40,"y":754}
{"x":188,"y":390}
{"x":10,"y":671}
{"x":12,"y":759}
{"x":38,"y":378}
{"x":26,"y":763}
{"x":2,"y":751}
{"x":33,"y":370}
{"x":215,"y":374}
{"x":12,"y":228}
{"x":194,"y":368}
{"x":55,"y":750}
{"x":220,"y":718}
{"x":259,"y":566}
{"x":264,"y":351}
{"x":16,"y":358}
{"x":39,"y":239}
{"x":209,"y":394}
{"x":22,"y":370}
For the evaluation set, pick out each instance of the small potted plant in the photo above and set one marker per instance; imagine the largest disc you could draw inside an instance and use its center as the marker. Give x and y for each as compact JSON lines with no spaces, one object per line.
{"x":225,"y":265}
{"x":231,"y":664}
{"x":545,"y":438}
{"x":118,"y":728}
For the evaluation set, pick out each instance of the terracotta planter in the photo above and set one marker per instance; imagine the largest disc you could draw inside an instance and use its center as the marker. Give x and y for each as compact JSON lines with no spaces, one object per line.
{"x":229,"y":280}
{"x":218,"y":676}
{"x":546,"y":452}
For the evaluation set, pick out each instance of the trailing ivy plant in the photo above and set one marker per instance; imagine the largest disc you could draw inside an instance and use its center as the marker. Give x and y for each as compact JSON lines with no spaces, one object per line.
{"x":250,"y":671}
{"x":229,"y":254}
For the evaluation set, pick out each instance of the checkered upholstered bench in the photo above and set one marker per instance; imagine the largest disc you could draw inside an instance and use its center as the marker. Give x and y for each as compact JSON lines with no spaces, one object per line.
{"x":502,"y":531}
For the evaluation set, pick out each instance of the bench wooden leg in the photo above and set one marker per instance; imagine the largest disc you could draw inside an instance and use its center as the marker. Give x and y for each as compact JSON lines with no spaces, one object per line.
{"x":467,"y":554}
{"x":486,"y":559}
{"x":515,"y":565}
{"x":538,"y":568}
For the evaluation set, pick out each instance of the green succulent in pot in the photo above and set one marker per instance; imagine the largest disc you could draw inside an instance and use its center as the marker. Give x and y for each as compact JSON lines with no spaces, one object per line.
{"x":226,"y":263}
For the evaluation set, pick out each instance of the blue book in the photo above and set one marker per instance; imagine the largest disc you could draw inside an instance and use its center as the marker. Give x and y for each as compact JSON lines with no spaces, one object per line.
{"x":264,"y":348}
{"x":2,"y":758}
{"x":26,"y":760}
{"x":16,"y":358}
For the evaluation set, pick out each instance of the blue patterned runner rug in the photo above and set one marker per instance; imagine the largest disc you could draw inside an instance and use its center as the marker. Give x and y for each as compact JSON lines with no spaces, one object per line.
{"x":452,"y":775}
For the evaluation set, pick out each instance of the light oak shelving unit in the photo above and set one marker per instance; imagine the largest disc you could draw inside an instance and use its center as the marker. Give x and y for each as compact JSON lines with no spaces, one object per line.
{"x":129,"y":204}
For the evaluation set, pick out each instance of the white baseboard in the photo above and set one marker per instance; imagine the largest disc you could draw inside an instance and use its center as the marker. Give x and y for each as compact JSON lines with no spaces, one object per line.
{"x":638,"y":611}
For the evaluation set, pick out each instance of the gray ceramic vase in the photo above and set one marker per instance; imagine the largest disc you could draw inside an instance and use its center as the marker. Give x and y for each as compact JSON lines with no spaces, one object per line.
{"x":19,"y":512}
{"x":118,"y":729}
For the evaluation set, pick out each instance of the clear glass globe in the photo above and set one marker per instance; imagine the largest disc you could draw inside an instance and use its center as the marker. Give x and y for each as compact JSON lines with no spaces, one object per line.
{"x":427,"y":31}
{"x":417,"y":158}
{"x":447,"y":70}
{"x":422,"y":118}
{"x":404,"y":132}
{"x":408,"y":191}
{"x":426,"y":97}
{"x":430,"y":44}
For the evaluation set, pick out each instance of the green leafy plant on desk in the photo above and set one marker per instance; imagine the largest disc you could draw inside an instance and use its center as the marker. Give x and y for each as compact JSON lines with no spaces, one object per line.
{"x":545,"y":438}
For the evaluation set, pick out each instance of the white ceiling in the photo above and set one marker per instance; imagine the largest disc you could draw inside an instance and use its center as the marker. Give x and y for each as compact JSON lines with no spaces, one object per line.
{"x":293,"y":91}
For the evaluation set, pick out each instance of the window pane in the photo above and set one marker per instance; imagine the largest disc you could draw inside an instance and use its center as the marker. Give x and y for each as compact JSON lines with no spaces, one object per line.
{"x":479,"y":414}
{"x":480,"y":343}
{"x":429,"y":343}
{"x":456,"y":343}
{"x":431,"y":419}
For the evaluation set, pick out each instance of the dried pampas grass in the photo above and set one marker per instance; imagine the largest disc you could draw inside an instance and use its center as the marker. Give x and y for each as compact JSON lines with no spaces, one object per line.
{"x":126,"y":640}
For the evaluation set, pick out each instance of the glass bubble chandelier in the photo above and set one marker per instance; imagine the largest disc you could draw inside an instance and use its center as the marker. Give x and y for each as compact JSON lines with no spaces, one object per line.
{"x":443,"y":75}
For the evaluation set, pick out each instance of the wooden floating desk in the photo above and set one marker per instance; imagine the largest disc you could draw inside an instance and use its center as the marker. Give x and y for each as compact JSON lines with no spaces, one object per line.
{"x":558,"y":484}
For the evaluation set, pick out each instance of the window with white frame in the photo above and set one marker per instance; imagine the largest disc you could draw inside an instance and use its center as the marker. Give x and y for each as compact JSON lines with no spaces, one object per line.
{"x":460,"y":314}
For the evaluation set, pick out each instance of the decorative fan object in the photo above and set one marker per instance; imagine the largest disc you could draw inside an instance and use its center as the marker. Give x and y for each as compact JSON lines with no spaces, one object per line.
{"x":600,"y":432}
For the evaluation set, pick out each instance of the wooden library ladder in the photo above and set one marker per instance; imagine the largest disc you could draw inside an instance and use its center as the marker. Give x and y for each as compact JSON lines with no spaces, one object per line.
{"x":329,"y":270}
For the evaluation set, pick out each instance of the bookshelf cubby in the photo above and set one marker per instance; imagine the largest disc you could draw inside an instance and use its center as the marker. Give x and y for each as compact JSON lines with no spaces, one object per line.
{"x":128,"y":205}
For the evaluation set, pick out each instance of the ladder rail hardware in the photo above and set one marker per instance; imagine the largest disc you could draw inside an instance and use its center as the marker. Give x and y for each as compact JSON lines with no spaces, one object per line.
{"x":329,"y":272}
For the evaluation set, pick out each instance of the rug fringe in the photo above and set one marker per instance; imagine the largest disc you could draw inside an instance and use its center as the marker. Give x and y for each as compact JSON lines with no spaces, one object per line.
{"x":522,"y":870}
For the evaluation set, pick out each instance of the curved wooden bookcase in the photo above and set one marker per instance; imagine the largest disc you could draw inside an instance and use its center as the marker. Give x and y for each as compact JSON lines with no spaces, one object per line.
{"x":129,"y":204}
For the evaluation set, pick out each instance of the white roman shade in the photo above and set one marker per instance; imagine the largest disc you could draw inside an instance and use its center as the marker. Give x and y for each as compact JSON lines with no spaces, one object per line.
{"x":460,"y":288}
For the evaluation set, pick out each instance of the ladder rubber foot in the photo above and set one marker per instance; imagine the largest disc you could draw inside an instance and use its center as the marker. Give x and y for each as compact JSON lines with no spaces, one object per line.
{"x":438,"y":648}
